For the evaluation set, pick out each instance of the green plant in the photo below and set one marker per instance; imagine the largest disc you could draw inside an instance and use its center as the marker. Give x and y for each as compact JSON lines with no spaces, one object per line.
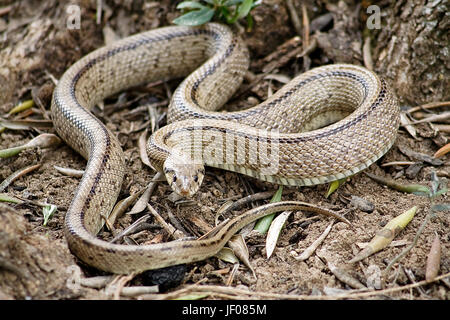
{"x":438,"y":188}
{"x":227,"y":11}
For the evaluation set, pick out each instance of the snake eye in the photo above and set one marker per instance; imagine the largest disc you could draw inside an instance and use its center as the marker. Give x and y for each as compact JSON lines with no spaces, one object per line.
{"x":196,"y":178}
{"x":174,"y":178}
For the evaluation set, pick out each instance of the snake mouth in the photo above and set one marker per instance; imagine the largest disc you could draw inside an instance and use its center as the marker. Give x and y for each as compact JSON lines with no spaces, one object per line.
{"x":185,"y":194}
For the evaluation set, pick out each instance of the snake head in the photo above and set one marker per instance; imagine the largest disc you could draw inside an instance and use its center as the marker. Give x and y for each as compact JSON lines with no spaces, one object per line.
{"x":183,"y":176}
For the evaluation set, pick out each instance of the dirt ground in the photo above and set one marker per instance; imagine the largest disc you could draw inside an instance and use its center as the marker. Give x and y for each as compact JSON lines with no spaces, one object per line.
{"x":35,"y":262}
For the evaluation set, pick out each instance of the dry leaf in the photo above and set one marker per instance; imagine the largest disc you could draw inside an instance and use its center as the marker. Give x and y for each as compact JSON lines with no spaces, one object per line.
{"x":69,"y":171}
{"x":433,"y":260}
{"x":17,"y":174}
{"x":239,"y":247}
{"x":384,"y":237}
{"x":275,"y":231}
{"x":227,"y":255}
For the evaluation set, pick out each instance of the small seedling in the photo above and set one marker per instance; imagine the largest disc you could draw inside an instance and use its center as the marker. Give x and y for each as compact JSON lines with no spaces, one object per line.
{"x":227,"y":11}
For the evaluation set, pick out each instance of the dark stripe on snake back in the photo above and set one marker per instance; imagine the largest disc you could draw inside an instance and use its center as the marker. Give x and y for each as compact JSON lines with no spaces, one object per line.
{"x":109,"y":54}
{"x":347,"y":125}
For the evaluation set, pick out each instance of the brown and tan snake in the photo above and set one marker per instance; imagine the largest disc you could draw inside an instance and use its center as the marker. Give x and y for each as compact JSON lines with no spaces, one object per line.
{"x":326,"y":124}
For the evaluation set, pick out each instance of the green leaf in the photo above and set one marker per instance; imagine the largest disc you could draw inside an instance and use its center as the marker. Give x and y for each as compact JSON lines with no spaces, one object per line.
{"x":274,"y":231}
{"x":434,"y":182}
{"x":48,"y":212}
{"x":334,"y":185}
{"x":249,"y":22}
{"x":195,"y":18}
{"x":442,"y":191}
{"x":441,"y":207}
{"x":264,"y":223}
{"x":245,"y":8}
{"x":230,"y":3}
{"x":277,"y":196}
{"x":6,"y":198}
{"x":10,"y":152}
{"x":22,"y":107}
{"x":418,"y":190}
{"x":225,"y":12}
{"x":190,"y":4}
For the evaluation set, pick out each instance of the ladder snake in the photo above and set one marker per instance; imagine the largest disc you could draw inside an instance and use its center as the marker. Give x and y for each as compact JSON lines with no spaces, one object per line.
{"x":326,"y":124}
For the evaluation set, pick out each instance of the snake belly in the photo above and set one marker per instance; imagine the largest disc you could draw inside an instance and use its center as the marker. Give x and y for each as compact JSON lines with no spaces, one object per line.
{"x":310,"y":151}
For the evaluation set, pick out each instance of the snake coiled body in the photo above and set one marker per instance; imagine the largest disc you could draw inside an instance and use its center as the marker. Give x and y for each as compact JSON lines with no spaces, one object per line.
{"x":293,"y":126}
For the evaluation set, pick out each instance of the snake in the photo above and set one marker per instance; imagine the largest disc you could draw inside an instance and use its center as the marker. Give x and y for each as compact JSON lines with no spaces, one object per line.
{"x":327,"y":123}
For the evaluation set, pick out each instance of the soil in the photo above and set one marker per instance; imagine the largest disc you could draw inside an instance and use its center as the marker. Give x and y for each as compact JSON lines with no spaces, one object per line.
{"x":36,"y":47}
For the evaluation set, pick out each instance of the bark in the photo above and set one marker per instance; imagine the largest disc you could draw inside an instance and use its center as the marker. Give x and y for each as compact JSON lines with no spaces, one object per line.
{"x":412,"y":49}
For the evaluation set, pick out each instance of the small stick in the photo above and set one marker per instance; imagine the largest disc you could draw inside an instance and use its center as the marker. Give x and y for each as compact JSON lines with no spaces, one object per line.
{"x":367,"y":56}
{"x":232,"y":274}
{"x":443,"y":127}
{"x":305,"y":20}
{"x":434,"y":118}
{"x":99,"y":11}
{"x":397,"y":163}
{"x":344,"y":276}
{"x":294,"y":17}
{"x":310,"y":250}
{"x":250,"y":198}
{"x":121,"y":282}
{"x":139,"y":225}
{"x":17,"y":175}
{"x":412,"y":278}
{"x":138,"y":290}
{"x":430,"y":105}
{"x":170,"y":229}
{"x":5,"y":10}
{"x":98,"y":282}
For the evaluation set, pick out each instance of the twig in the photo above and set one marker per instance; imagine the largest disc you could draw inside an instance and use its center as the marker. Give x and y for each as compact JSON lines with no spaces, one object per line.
{"x":367,"y":56}
{"x":98,"y":282}
{"x":344,"y":276}
{"x":137,"y":226}
{"x":7,"y":265}
{"x":138,"y":290}
{"x":412,"y":278}
{"x":310,"y":250}
{"x":443,"y":150}
{"x":430,"y":105}
{"x":305,"y":22}
{"x":177,"y":224}
{"x":99,"y":11}
{"x":5,"y":10}
{"x":295,"y":53}
{"x":141,"y":203}
{"x":443,"y":127}
{"x":232,"y":274}
{"x":306,"y":42}
{"x":294,"y":17}
{"x":69,"y":172}
{"x":171,"y":230}
{"x":397,"y":163}
{"x":122,"y":280}
{"x":17,"y":174}
{"x":246,"y":294}
{"x":434,"y":118}
{"x":250,"y":198}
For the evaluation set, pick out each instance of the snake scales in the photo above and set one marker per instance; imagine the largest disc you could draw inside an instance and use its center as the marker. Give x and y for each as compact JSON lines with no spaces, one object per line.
{"x":292,"y":138}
